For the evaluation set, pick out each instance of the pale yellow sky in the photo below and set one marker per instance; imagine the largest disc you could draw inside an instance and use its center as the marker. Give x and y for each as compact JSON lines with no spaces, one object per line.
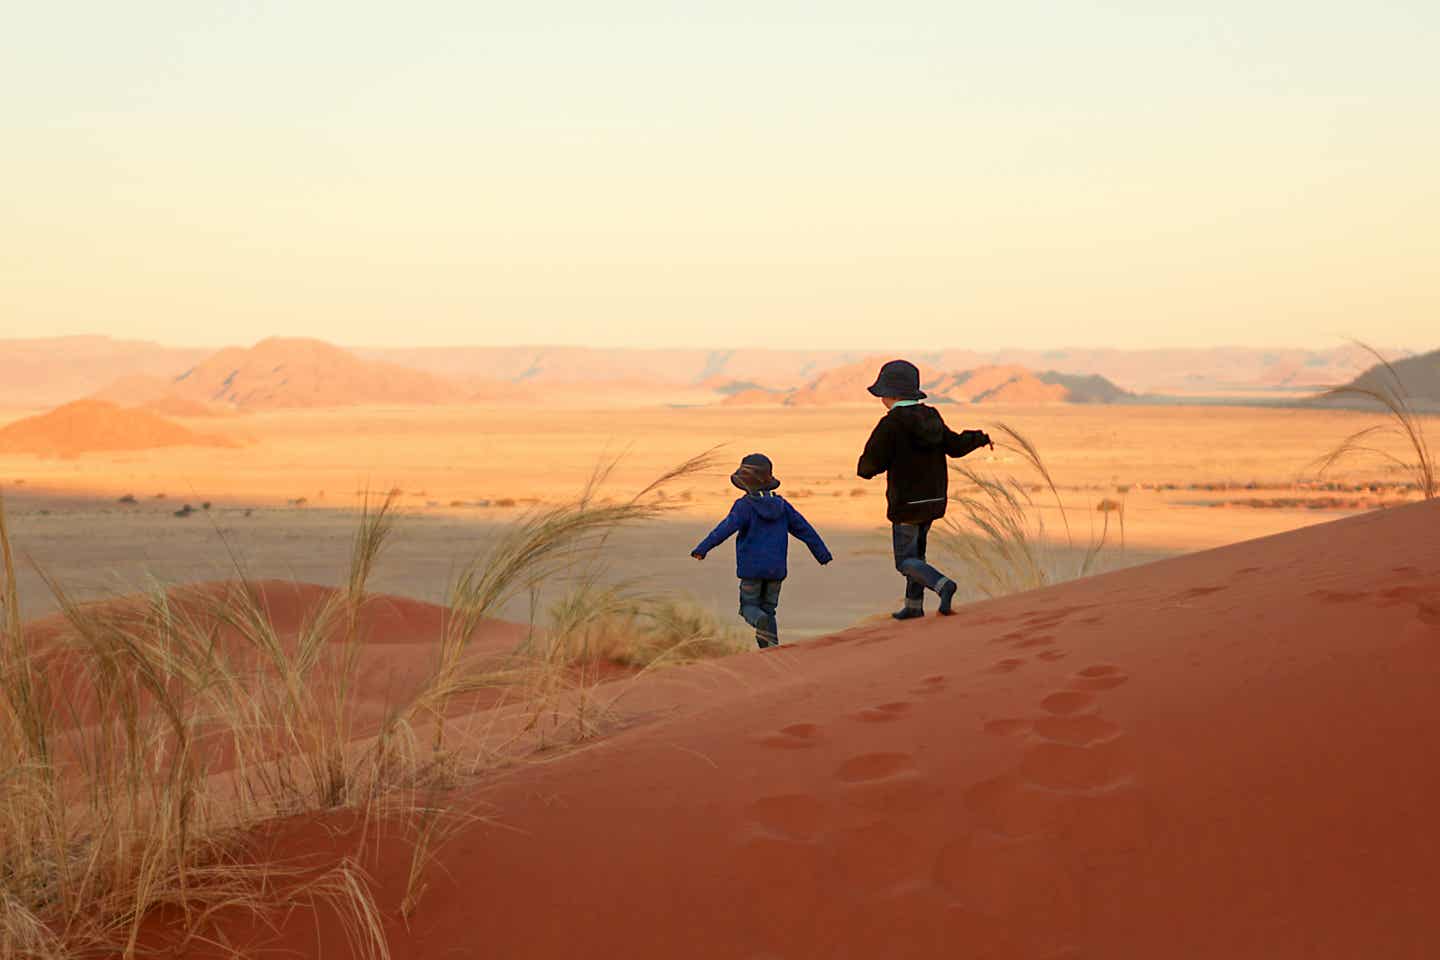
{"x":779,"y":174}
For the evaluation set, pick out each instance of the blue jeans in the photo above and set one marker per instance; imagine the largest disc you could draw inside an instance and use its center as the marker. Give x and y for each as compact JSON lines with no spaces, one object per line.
{"x":910,"y":540}
{"x":758,"y":601}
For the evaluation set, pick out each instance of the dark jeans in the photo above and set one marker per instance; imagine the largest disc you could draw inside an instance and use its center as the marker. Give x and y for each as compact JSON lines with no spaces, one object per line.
{"x":758,"y":600}
{"x":910,"y":539}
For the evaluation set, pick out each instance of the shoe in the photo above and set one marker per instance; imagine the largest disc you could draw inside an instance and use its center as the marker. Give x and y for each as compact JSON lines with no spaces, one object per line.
{"x":947,"y":593}
{"x":908,"y":613}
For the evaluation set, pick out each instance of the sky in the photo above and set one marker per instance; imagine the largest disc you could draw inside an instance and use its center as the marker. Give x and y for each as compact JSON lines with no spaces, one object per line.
{"x":1132,"y":173}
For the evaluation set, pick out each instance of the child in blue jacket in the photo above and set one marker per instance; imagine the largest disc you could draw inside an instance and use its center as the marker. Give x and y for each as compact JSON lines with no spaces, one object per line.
{"x":764,"y":523}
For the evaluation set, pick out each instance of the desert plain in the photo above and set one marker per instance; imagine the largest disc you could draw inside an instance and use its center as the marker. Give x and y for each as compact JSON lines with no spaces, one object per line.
{"x":1215,"y":743}
{"x":285,"y":490}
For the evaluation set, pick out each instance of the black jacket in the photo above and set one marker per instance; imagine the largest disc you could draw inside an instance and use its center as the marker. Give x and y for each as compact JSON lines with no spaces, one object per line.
{"x":910,"y":445}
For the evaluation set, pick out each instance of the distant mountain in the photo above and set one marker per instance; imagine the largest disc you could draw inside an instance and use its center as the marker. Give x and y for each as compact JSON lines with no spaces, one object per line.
{"x":286,"y":373}
{"x":1086,"y":389}
{"x":44,"y":372}
{"x":1419,"y":383}
{"x":841,"y":385}
{"x":87,"y":426}
{"x":1008,"y":384}
{"x":1217,"y":371}
{"x":540,"y":366}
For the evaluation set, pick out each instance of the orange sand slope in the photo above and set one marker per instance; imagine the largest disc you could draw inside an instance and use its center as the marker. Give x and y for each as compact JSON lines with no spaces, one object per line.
{"x":95,"y":425}
{"x":1229,"y":754}
{"x":401,"y":637}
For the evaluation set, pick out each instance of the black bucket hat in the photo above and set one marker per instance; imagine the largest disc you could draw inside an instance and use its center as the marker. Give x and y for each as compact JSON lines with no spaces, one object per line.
{"x":899,"y":379}
{"x":756,"y":474}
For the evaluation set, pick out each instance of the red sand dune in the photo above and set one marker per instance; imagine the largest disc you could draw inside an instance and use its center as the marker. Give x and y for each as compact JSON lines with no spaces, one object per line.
{"x":1229,"y":754}
{"x":288,"y":372}
{"x":1000,"y":384}
{"x":174,"y":405}
{"x":398,"y":654}
{"x":841,"y":385}
{"x":96,"y":425}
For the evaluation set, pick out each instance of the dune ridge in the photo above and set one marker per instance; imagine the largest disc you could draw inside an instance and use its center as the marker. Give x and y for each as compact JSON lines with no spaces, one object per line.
{"x":1223,"y":754}
{"x":288,"y":372}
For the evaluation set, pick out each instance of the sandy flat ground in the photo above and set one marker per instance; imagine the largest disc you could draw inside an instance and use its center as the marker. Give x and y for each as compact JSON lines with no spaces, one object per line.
{"x":447,"y":461}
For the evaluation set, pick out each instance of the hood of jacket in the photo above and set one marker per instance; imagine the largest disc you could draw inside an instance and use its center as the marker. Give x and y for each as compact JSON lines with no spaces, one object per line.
{"x":768,"y":507}
{"x":922,"y":424}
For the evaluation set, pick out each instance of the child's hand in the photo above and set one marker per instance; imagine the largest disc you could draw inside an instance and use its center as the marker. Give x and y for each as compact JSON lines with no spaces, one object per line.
{"x":698,"y":556}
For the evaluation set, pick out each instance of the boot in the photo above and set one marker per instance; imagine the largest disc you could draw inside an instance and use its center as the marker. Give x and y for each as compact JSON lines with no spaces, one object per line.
{"x":911,"y":610}
{"x":947,"y":593}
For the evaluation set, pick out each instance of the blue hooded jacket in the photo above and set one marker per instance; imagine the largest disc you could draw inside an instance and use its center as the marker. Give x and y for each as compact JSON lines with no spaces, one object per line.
{"x":764,"y":523}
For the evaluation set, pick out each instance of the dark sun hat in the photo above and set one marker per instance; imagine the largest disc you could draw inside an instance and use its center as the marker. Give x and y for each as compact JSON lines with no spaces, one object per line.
{"x":756,"y":474}
{"x":899,"y":379}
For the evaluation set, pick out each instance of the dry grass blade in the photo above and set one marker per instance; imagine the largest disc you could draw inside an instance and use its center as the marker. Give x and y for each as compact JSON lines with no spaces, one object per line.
{"x":997,"y":532}
{"x":1019,"y":443}
{"x":1392,"y":396}
{"x":187,"y":717}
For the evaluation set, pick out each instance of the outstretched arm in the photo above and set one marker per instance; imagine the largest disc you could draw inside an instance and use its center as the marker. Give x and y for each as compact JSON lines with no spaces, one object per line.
{"x":964,"y":442}
{"x":720,"y":534}
{"x":875,"y":460}
{"x":801,"y":530}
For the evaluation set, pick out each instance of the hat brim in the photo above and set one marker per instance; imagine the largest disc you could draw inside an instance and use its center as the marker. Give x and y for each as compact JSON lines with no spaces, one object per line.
{"x":772,"y":484}
{"x":878,"y":390}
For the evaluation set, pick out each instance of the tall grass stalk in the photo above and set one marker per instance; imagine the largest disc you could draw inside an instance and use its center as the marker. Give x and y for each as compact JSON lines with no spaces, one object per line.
{"x":1404,"y":424}
{"x":140,"y":743}
{"x":998,"y":532}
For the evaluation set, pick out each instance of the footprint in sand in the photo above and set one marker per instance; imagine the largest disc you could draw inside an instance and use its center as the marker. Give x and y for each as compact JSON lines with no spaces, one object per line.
{"x":1051,"y":618}
{"x":874,"y":766}
{"x":797,"y":736}
{"x":1079,"y":730}
{"x":1100,"y":677}
{"x":1427,"y":608}
{"x":1008,"y":806}
{"x":1066,"y":766}
{"x":877,"y":858}
{"x":1051,"y":655}
{"x":886,"y":782}
{"x":1008,"y":726}
{"x":931,"y":685}
{"x":884,"y":713}
{"x":794,"y":815}
{"x":1195,"y":593}
{"x":1338,"y":596}
{"x":1007,"y":666}
{"x":1067,"y":702}
{"x":1041,"y":641}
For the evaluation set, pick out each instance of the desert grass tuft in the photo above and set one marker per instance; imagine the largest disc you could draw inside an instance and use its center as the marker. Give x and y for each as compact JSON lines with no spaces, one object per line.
{"x":1403,"y":423}
{"x":141,"y":744}
{"x":998,"y":531}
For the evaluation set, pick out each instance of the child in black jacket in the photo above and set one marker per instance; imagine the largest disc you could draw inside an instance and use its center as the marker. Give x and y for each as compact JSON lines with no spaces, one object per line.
{"x":910,"y":445}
